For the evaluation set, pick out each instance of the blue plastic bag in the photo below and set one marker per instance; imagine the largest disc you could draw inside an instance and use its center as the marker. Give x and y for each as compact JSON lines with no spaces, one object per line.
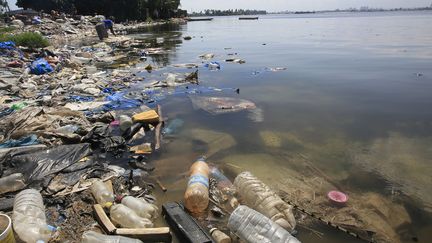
{"x":8,"y":45}
{"x":25,"y":141}
{"x":119,"y":102}
{"x":40,"y":66}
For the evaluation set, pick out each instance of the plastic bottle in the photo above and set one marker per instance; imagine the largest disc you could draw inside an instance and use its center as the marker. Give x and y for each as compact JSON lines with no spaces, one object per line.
{"x":12,"y":183}
{"x":18,"y":106}
{"x":101,"y":193}
{"x":260,"y":197}
{"x":219,"y":236}
{"x":225,"y":187}
{"x":253,"y":227}
{"x":173,"y":127}
{"x":196,"y":196}
{"x":125,"y":122}
{"x":29,"y":220}
{"x":68,"y":129}
{"x":127,"y":218}
{"x":141,"y":207}
{"x":93,"y":237}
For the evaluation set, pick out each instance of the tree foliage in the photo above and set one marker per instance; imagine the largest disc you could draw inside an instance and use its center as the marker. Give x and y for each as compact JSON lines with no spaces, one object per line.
{"x":120,"y":9}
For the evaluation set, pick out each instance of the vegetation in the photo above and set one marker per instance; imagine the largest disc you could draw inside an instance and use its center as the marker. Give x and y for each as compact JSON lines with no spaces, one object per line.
{"x":27,"y":39}
{"x":213,"y":12}
{"x":4,"y":30}
{"x":120,"y":9}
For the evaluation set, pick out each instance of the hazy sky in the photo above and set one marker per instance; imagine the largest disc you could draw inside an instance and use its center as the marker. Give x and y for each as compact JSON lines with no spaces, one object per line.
{"x":278,"y":5}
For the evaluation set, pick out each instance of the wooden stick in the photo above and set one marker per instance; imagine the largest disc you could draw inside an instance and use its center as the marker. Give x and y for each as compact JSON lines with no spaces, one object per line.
{"x":158,"y":128}
{"x":164,"y":189}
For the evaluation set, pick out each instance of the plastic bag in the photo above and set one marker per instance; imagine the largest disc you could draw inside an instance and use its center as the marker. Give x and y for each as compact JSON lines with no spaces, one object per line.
{"x":39,"y":165}
{"x":40,"y":66}
{"x":25,"y":141}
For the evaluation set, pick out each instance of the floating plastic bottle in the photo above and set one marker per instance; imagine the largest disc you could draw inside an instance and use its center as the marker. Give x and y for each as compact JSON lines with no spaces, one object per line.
{"x":125,"y":122}
{"x":101,"y":193}
{"x":197,"y":195}
{"x":260,"y":197}
{"x":12,"y":183}
{"x":127,"y":218}
{"x":253,"y":227}
{"x":29,"y":220}
{"x":93,"y":237}
{"x":219,"y":236}
{"x":141,"y":207}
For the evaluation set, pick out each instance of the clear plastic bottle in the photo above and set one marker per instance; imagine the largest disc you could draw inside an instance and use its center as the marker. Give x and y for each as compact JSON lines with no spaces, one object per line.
{"x":260,"y":197}
{"x":12,"y":183}
{"x":125,"y":122}
{"x":253,"y":227}
{"x":127,"y":218}
{"x":101,"y":193}
{"x":219,"y":236}
{"x":93,"y":237}
{"x":196,"y":196}
{"x":141,"y":207}
{"x":29,"y":220}
{"x":226,"y":190}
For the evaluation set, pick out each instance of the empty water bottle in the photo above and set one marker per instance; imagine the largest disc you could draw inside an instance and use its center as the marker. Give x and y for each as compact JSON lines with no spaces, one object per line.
{"x":93,"y":237}
{"x":29,"y":220}
{"x":260,"y":197}
{"x":101,"y":193}
{"x":253,"y":227}
{"x":197,"y":195}
{"x":141,"y":207}
{"x":127,"y":218}
{"x":12,"y":183}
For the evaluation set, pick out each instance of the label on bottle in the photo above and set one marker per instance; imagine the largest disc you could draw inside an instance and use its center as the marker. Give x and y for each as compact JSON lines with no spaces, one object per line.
{"x":198,"y":178}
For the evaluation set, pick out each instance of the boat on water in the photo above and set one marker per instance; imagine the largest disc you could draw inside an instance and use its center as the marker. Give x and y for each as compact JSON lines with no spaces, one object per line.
{"x":199,"y":19}
{"x":248,"y":18}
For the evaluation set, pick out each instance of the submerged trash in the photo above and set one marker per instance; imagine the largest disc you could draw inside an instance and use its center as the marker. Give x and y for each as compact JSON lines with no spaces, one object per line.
{"x":235,"y":60}
{"x":196,"y":197}
{"x":251,"y":226}
{"x":140,"y":207}
{"x":172,"y":127}
{"x":220,"y":105}
{"x":260,"y":197}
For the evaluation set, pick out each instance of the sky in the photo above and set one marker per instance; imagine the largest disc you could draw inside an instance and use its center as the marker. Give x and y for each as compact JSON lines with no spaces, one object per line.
{"x":292,"y":5}
{"x":298,"y":5}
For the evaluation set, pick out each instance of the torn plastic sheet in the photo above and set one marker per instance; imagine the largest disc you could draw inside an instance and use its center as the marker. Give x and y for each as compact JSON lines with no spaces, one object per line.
{"x":24,"y":141}
{"x":39,"y":165}
{"x":220,"y":105}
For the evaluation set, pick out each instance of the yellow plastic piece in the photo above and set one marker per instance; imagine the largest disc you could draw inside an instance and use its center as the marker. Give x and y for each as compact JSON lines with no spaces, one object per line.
{"x":146,"y":117}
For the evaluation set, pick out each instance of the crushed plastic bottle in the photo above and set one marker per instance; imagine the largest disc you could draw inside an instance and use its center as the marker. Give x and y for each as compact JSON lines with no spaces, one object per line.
{"x":127,"y":218}
{"x":253,"y":227}
{"x":260,"y":197}
{"x":93,"y":237}
{"x":101,"y":193}
{"x":29,"y":220}
{"x":141,"y":207}
{"x":196,"y":196}
{"x":12,"y":183}
{"x":225,"y":189}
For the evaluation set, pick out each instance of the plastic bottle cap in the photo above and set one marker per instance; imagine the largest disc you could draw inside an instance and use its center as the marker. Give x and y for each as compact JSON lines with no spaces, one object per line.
{"x":108,"y":205}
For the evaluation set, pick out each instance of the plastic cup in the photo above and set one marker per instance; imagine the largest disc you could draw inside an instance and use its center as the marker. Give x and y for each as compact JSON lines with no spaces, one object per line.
{"x":6,"y":232}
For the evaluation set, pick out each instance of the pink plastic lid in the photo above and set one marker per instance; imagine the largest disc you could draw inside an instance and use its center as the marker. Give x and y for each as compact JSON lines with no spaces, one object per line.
{"x":338,"y":197}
